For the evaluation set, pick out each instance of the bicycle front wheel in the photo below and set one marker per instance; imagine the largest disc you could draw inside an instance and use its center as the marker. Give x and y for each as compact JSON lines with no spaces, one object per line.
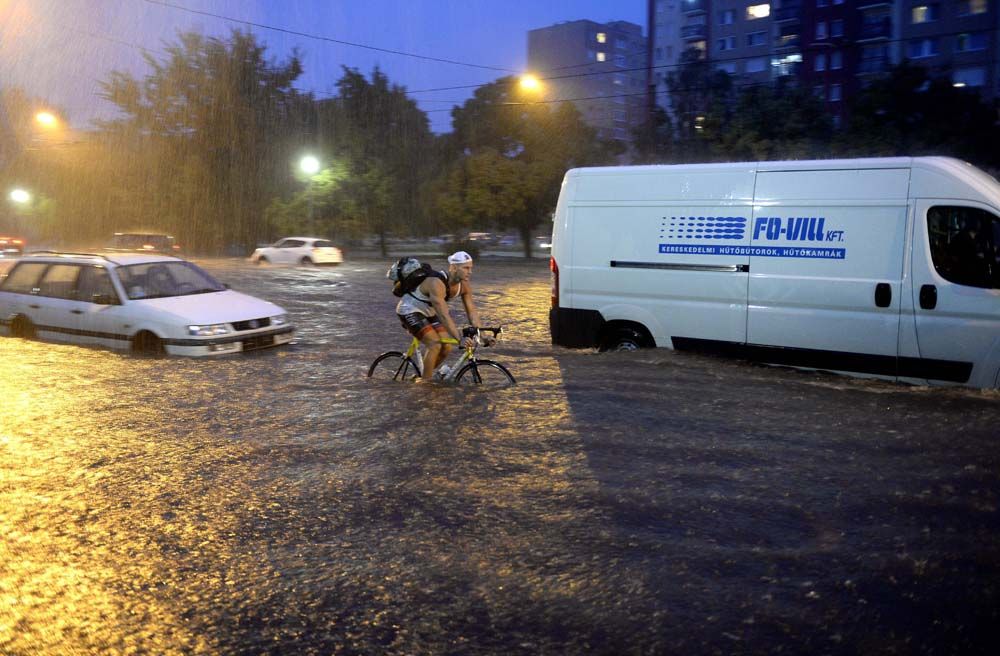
{"x":485,"y":373}
{"x":393,"y":366}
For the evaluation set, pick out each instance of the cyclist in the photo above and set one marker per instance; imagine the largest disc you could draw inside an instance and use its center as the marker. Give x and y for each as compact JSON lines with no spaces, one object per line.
{"x":424,"y":311}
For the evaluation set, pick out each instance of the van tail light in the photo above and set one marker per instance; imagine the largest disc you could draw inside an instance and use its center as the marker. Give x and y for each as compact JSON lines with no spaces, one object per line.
{"x":554,"y":268}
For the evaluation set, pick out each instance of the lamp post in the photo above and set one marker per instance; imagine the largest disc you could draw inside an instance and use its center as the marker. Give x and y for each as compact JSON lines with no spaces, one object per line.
{"x":310,"y":166}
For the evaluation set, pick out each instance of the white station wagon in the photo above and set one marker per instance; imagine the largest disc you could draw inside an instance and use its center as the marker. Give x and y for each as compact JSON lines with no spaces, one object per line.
{"x":148,"y":303}
{"x":305,"y":251}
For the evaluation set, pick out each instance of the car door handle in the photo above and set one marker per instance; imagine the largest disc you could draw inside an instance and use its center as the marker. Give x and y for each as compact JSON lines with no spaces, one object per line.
{"x":35,"y":307}
{"x":883,"y":294}
{"x":77,"y":311}
{"x":928,"y":297}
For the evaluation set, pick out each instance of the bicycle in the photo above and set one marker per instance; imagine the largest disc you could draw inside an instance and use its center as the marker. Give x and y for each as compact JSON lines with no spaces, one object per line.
{"x":468,"y":370}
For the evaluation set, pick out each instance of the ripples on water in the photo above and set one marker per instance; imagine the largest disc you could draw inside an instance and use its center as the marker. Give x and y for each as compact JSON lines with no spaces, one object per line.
{"x":652,"y":502}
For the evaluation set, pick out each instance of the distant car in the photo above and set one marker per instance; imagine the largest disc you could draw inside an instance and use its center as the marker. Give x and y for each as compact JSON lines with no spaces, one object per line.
{"x":147,"y":242}
{"x":305,"y":251}
{"x":11,"y":247}
{"x":149,"y":303}
{"x":544,"y":242}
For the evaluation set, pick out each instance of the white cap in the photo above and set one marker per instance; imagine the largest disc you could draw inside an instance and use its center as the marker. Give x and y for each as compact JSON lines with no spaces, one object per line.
{"x":459,"y":257}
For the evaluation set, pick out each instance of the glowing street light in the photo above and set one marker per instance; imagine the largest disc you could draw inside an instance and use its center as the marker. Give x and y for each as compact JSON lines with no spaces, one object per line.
{"x":47,"y":119}
{"x":309,"y":165}
{"x":530,"y":83}
{"x":20,"y":196}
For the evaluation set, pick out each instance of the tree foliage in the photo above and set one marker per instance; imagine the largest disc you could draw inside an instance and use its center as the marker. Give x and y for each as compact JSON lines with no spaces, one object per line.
{"x":508,"y":158}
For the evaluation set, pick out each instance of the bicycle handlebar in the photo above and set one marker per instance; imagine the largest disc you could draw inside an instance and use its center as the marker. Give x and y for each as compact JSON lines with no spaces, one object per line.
{"x":471,"y":331}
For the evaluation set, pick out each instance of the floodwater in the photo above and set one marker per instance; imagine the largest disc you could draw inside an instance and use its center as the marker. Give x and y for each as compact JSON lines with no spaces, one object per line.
{"x":628,"y":503}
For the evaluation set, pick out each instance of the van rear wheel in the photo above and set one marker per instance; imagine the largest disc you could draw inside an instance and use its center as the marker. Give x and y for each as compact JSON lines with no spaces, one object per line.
{"x":624,"y":339}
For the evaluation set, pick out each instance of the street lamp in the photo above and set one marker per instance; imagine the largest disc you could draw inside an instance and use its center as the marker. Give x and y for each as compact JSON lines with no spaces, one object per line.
{"x":20,"y":196}
{"x":310,"y":166}
{"x":530,"y":82}
{"x":47,"y":119}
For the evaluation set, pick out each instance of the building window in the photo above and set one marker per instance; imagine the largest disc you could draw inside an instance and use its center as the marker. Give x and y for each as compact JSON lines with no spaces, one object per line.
{"x":820,"y":30}
{"x":835,"y":119}
{"x":619,"y":115}
{"x":838,"y":2}
{"x":969,"y":42}
{"x":819,"y":63}
{"x":620,"y":61}
{"x":727,"y":17}
{"x":786,"y":65}
{"x":822,"y":3}
{"x":757,"y":38}
{"x":659,"y":54}
{"x":621,"y":44}
{"x":601,"y":57}
{"x":837,"y":28}
{"x":922,"y":48}
{"x":727,"y":43}
{"x":834,"y":92}
{"x":602,"y":37}
{"x":972,"y":7}
{"x":969,"y":77}
{"x":727,"y":67}
{"x":758,"y":11}
{"x":618,"y":80}
{"x":924,"y":13}
{"x":836,"y":60}
{"x":819,"y":91}
{"x":756,"y":65}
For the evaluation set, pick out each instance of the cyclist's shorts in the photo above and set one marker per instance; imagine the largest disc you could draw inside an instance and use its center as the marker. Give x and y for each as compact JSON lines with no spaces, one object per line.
{"x":419,"y":325}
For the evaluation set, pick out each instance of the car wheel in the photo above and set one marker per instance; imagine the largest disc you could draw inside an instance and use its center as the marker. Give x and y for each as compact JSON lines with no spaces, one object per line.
{"x":306,"y":262}
{"x":22,"y":327}
{"x":146,"y":343}
{"x":263,"y":260}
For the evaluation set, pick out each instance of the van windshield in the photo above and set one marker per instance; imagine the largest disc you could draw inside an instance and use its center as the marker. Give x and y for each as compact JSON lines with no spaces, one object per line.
{"x":163,"y":279}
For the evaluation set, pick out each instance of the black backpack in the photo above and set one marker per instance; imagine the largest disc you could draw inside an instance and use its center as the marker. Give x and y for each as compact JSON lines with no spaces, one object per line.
{"x":406,"y":283}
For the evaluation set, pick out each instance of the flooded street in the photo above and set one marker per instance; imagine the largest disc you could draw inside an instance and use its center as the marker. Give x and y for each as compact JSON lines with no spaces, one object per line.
{"x":644,"y":503}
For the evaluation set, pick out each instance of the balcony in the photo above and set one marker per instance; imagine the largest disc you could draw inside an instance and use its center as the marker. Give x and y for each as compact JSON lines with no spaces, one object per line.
{"x":786,"y":42}
{"x":873,"y":66}
{"x":695,"y":6}
{"x":790,"y":10}
{"x":694,"y":32}
{"x":875,"y":29}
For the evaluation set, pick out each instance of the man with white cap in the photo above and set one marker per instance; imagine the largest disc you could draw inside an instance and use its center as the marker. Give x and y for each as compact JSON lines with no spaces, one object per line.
{"x":424,"y":311}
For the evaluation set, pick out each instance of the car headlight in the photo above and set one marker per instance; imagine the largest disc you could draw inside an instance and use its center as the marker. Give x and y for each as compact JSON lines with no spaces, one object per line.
{"x":209,"y":330}
{"x":279,"y":320}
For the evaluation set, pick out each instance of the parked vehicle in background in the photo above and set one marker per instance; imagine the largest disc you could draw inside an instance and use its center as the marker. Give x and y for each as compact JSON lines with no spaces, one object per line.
{"x":149,"y":303}
{"x":876,"y":267}
{"x":11,"y":247}
{"x":147,"y":242}
{"x":304,"y":251}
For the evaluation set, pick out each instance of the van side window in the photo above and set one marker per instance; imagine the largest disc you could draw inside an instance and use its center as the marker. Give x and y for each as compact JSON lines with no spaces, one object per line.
{"x":94,"y":282}
{"x":964,"y":245}
{"x":59,"y":281}
{"x":24,"y":278}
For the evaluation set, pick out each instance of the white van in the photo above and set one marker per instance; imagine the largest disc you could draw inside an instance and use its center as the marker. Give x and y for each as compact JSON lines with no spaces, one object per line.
{"x":878,"y":267}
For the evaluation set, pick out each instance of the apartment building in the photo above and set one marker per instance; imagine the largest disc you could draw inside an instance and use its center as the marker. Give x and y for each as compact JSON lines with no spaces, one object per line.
{"x":834,"y":47}
{"x":601,"y":67}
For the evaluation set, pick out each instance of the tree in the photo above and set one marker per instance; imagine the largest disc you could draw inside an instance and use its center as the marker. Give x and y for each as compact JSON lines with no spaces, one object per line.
{"x":910,"y":113}
{"x":509,"y":158}
{"x":214,"y":125}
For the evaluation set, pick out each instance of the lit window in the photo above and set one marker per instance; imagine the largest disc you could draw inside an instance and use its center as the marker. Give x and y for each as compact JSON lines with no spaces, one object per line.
{"x":834,"y":92}
{"x":836,"y":60}
{"x":601,"y":56}
{"x":924,"y":13}
{"x":758,"y":11}
{"x":819,"y":64}
{"x":602,"y":37}
{"x":821,"y":30}
{"x":971,"y":7}
{"x":757,"y":38}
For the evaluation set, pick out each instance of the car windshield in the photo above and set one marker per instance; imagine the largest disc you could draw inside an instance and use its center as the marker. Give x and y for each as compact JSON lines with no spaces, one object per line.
{"x":163,"y":279}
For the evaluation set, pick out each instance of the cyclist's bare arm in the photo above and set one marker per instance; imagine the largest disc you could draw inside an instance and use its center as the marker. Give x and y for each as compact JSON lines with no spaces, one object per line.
{"x":435,"y":290}
{"x":470,"y":307}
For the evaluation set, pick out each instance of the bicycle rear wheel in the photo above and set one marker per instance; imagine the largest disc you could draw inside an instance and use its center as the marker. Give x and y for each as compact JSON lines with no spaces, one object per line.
{"x":393,"y":366}
{"x":485,"y":373}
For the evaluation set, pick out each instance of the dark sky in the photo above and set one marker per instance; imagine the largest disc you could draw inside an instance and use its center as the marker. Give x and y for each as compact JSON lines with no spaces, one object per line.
{"x":61,"y":49}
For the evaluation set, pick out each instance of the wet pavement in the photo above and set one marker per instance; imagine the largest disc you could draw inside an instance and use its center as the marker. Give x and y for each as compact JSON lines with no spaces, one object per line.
{"x":631,"y":503}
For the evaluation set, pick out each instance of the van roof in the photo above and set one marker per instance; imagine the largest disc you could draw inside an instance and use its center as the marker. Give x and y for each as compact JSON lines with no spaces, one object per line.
{"x":785,"y":165}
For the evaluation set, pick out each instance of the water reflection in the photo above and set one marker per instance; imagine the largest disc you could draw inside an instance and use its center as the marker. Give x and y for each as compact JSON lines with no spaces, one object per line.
{"x":279,"y":502}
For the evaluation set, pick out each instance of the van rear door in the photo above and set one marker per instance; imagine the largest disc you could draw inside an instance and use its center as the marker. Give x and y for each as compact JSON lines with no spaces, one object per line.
{"x":826,"y":264}
{"x":956,"y":292}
